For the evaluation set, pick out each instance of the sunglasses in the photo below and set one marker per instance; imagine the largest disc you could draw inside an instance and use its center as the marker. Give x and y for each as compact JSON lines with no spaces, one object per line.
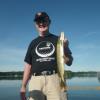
{"x":42,"y":20}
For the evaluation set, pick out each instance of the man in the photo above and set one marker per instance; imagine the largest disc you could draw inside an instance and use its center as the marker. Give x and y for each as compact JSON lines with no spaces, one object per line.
{"x":41,"y":64}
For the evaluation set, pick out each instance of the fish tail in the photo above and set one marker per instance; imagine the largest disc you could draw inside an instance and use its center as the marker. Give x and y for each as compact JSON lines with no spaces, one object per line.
{"x":63,"y":85}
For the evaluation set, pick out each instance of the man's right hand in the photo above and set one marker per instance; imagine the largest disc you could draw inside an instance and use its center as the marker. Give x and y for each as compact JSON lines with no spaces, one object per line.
{"x":23,"y":93}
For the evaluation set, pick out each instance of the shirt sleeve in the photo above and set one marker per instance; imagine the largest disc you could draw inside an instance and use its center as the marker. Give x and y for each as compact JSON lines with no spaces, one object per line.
{"x":28,"y":57}
{"x":68,"y":54}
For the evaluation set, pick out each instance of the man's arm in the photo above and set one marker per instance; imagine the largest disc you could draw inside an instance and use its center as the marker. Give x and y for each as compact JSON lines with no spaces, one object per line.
{"x":26,"y":77}
{"x":68,"y":59}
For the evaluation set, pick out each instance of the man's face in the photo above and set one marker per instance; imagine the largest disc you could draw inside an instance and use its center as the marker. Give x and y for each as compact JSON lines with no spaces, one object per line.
{"x":42,"y":25}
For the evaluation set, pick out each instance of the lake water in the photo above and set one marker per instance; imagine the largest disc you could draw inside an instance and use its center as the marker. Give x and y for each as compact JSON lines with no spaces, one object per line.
{"x":87,"y":88}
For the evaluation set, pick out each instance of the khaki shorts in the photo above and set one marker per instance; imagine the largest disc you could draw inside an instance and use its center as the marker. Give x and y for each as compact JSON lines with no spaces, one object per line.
{"x":45,"y":88}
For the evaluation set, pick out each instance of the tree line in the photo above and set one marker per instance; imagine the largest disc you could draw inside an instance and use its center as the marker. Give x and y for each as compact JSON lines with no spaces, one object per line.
{"x":68,"y":74}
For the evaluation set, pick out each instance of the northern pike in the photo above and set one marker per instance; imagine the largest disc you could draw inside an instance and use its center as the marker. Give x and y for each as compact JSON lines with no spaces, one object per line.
{"x":60,"y":60}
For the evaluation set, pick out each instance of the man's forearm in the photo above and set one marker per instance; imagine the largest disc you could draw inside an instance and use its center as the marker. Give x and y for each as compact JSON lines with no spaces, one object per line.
{"x":26,"y":75}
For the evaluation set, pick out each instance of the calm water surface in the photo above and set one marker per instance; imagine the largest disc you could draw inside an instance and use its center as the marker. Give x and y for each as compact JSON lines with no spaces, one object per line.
{"x":9,"y":89}
{"x":87,"y":88}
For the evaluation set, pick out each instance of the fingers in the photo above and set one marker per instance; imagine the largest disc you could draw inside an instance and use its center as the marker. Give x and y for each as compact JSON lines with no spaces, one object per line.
{"x":66,"y":42}
{"x":22,"y":95}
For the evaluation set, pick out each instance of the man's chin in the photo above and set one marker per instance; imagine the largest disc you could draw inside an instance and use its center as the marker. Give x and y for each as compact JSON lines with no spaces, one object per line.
{"x":42,"y":29}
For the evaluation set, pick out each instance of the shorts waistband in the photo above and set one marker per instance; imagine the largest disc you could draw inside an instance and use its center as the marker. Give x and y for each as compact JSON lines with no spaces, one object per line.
{"x":44,"y":73}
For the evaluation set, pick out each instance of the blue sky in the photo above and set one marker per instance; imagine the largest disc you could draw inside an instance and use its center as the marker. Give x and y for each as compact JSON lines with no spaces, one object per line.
{"x":79,"y":19}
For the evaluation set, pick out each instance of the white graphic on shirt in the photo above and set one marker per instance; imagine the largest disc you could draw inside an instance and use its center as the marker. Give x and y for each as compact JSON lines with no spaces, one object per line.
{"x":45,"y":49}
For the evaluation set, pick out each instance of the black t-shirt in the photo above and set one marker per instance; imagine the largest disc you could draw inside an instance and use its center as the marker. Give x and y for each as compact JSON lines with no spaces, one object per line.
{"x":41,"y":53}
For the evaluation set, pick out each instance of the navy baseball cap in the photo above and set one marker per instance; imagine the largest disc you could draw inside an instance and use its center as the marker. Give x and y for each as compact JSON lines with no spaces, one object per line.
{"x":41,"y":16}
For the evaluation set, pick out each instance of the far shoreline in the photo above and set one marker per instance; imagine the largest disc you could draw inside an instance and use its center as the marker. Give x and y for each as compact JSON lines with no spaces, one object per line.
{"x":18,"y":75}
